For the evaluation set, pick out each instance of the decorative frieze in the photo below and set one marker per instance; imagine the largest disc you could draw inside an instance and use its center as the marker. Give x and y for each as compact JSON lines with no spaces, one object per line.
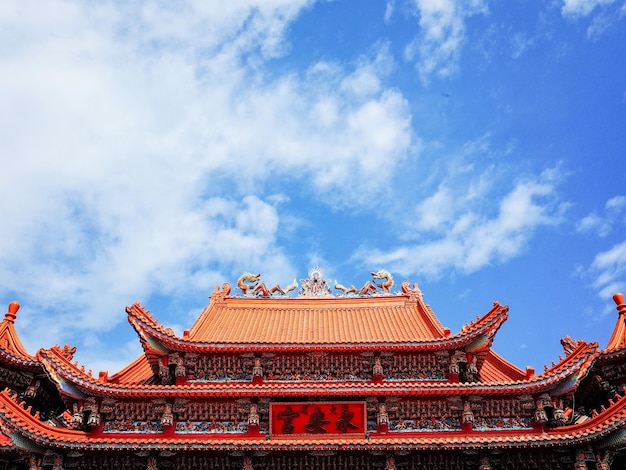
{"x":332,"y":460}
{"x":319,"y":367}
{"x":422,"y":416}
{"x":449,"y":414}
{"x":131,"y":427}
{"x":217,"y":411}
{"x":218,"y":368}
{"x":15,"y":379}
{"x":415,"y":367}
{"x":314,"y":366}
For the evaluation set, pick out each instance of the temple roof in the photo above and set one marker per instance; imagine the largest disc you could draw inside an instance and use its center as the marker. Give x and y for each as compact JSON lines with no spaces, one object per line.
{"x":497,"y":369}
{"x":392,"y":321}
{"x":315,"y":321}
{"x":16,"y":419}
{"x":11,"y":349}
{"x":501,"y":379}
{"x":389,"y":324}
{"x":137,"y":372}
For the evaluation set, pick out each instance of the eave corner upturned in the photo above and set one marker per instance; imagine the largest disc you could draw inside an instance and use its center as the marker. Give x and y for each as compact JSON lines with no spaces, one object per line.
{"x":618,"y":338}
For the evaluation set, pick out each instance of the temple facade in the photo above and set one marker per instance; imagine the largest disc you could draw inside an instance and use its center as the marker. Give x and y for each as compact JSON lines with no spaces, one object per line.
{"x":315,"y":376}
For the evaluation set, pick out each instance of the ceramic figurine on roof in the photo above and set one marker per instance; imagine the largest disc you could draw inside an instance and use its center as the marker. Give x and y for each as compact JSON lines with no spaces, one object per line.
{"x":250,"y":285}
{"x":315,"y":285}
{"x":370,"y":287}
{"x":370,"y":379}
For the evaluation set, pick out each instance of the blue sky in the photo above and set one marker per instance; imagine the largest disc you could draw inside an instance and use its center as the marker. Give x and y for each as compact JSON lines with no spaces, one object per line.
{"x":151,"y":151}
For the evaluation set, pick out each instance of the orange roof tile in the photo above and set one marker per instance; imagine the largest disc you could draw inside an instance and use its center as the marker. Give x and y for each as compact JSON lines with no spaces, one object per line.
{"x":497,"y":369}
{"x":390,"y":319}
{"x":137,"y":372}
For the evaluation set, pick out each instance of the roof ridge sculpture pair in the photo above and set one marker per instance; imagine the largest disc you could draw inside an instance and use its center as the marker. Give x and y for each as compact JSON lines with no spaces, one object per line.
{"x":315,"y":285}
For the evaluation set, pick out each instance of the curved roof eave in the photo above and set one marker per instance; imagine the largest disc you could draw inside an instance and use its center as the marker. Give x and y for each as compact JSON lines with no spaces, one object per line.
{"x":18,"y":419}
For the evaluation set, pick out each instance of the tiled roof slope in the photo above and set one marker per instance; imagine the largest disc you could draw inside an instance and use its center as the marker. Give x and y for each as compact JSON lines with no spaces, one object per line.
{"x":137,"y":372}
{"x":497,"y":369}
{"x":392,"y":322}
{"x":379,"y":319}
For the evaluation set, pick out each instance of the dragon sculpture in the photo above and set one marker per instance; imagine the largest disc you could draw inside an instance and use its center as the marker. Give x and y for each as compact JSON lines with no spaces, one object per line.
{"x":250,"y":285}
{"x":570,"y":344}
{"x":370,"y":287}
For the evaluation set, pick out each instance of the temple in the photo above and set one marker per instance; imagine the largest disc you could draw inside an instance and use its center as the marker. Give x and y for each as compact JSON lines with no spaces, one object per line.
{"x":315,"y":376}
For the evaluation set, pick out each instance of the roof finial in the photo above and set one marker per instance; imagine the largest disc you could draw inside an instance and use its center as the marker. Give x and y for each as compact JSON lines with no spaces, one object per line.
{"x":12,"y":312}
{"x":619,"y":301}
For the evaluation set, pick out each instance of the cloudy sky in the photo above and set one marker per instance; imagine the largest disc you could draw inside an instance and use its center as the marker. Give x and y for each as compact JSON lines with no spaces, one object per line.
{"x":151,"y":150}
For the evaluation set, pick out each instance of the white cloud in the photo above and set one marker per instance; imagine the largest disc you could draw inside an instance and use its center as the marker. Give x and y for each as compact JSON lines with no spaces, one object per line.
{"x":435,"y":210}
{"x":582,"y":7}
{"x":389,"y":9}
{"x":602,"y":14}
{"x":138,"y":141}
{"x":603,"y":225}
{"x":593,"y":222}
{"x":465,"y":236}
{"x":608,"y":269}
{"x":616,"y":204}
{"x":442,"y":24}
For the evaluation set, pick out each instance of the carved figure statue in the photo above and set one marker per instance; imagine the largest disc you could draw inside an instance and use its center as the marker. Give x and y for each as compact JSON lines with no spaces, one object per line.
{"x":248,"y":281}
{"x":152,"y":464}
{"x":540,"y":413}
{"x":603,"y":460}
{"x":250,"y":285}
{"x":286,"y":290}
{"x":344,"y":289}
{"x":31,"y":391}
{"x":378,"y":367}
{"x":569,"y":344}
{"x":390,"y":464}
{"x":94,"y":419}
{"x":253,"y":417}
{"x":387,"y":284}
{"x":453,"y":368}
{"x":472,"y":370}
{"x":315,"y":285}
{"x":226,"y":289}
{"x":34,"y":463}
{"x":168,"y":417}
{"x":383,"y":416}
{"x":247,"y":464}
{"x":580,"y":463}
{"x":257,"y":370}
{"x":559,"y":417}
{"x":77,"y":415}
{"x":180,"y":370}
{"x":468,"y":416}
{"x":484,"y":464}
{"x":370,"y":287}
{"x":414,"y":293}
{"x":68,"y":351}
{"x":57,"y":462}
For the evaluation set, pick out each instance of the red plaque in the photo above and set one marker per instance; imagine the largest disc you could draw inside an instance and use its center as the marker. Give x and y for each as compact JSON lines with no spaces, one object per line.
{"x":317,"y":418}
